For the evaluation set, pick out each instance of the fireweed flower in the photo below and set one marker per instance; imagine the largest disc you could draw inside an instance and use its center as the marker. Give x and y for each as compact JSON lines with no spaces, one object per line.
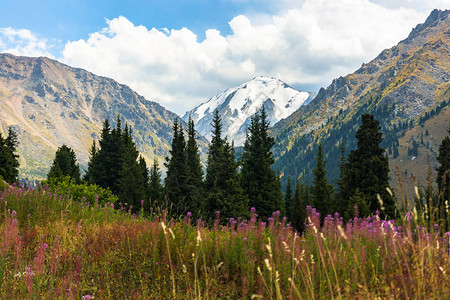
{"x":189,"y":214}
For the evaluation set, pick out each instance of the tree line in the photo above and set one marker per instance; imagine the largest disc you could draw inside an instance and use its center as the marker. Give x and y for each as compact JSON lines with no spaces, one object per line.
{"x":229,"y":187}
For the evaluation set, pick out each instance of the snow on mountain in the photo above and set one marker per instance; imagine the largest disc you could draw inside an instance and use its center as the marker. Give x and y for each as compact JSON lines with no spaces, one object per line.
{"x":237,"y":105}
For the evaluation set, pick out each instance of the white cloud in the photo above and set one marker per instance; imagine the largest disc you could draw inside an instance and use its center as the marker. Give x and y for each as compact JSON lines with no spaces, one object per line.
{"x":22,"y":42}
{"x":309,"y":45}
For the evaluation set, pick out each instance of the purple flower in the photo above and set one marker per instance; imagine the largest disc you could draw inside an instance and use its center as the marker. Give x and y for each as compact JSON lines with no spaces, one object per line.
{"x":408,"y":216}
{"x":253,"y":209}
{"x":87,"y":297}
{"x":244,"y":239}
{"x":13,"y":214}
{"x":142,"y":203}
{"x":189,"y":214}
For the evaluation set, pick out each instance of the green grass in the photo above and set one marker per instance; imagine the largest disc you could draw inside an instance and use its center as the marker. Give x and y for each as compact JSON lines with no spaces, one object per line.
{"x":53,"y":247}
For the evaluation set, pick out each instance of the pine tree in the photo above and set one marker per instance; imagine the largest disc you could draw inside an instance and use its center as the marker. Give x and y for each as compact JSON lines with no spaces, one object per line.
{"x":156,"y":189}
{"x":367,"y":169}
{"x":356,"y":206}
{"x":195,"y":173}
{"x":177,"y":171}
{"x":214,"y":151}
{"x":288,"y":200}
{"x":443,"y":175}
{"x":116,"y":165}
{"x":340,"y":201}
{"x":222,"y":183}
{"x":131,"y":184}
{"x":65,"y":164}
{"x":443,"y":180}
{"x":322,"y":190}
{"x":226,"y":194}
{"x":145,"y":175}
{"x":9,"y":160}
{"x":299,"y":208}
{"x":259,"y":181}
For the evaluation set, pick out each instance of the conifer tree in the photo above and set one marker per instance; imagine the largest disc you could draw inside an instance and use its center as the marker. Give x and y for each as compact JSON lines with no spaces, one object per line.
{"x":222,"y":187}
{"x":356,"y":206}
{"x":90,"y":174}
{"x":145,"y":175}
{"x":322,"y":190}
{"x":65,"y":163}
{"x":443,"y":175}
{"x":214,"y":151}
{"x":177,"y":171}
{"x":116,"y":165}
{"x":156,"y":189}
{"x":131,"y":184}
{"x":299,"y":208}
{"x":195,"y":172}
{"x":340,"y":201}
{"x":367,"y":169}
{"x":9,"y":160}
{"x":443,"y":181}
{"x":259,"y":181}
{"x":288,"y":200}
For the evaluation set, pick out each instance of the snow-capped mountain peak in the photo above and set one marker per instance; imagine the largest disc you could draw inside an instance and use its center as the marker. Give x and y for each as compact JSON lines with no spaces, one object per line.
{"x":237,"y":105}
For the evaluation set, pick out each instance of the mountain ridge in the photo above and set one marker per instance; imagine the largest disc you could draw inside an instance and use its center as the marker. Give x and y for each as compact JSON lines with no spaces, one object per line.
{"x":49,"y":104}
{"x":399,"y":86}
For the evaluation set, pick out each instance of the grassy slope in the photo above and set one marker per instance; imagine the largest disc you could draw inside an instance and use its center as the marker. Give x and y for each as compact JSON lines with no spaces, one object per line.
{"x":51,"y":247}
{"x":414,"y":168}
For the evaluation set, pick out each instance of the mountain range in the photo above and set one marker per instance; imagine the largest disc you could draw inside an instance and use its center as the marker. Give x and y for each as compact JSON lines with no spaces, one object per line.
{"x":237,"y":105}
{"x":49,"y":104}
{"x":404,"y":87}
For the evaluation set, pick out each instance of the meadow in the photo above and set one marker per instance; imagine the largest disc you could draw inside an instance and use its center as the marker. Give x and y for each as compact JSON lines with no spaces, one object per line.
{"x":52,"y":247}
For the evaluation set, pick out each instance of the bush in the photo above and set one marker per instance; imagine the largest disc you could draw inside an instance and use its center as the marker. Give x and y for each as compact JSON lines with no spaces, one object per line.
{"x":91,"y":193}
{"x":3,"y":184}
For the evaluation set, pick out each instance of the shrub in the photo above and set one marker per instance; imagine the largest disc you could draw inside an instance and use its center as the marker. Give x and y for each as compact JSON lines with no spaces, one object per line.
{"x":91,"y":193}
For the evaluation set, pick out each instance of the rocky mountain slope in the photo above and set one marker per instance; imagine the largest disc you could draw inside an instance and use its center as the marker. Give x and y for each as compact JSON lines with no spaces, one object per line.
{"x":404,"y":87}
{"x":49,"y":103}
{"x":237,"y":105}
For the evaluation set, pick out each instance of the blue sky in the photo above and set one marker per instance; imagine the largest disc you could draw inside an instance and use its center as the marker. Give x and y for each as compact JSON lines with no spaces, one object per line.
{"x":181,"y":53}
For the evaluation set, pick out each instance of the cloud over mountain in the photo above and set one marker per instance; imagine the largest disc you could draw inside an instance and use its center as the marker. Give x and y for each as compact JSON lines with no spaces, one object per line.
{"x":304,"y":43}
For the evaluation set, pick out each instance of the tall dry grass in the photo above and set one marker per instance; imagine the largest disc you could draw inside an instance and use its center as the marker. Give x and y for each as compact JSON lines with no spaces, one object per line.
{"x":53,"y":247}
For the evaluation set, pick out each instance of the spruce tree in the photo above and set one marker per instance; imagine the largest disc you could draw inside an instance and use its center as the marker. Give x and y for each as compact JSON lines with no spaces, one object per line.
{"x":367,"y":169}
{"x":131,"y":185}
{"x":322,"y":190}
{"x":9,"y":160}
{"x":65,"y":164}
{"x":156,"y":189}
{"x":259,"y":181}
{"x":299,"y":208}
{"x":195,"y":173}
{"x":443,"y":181}
{"x":443,"y":175}
{"x":222,"y":183}
{"x":288,"y":200}
{"x":177,"y":171}
{"x":214,"y":151}
{"x":116,"y":165}
{"x":340,"y":201}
